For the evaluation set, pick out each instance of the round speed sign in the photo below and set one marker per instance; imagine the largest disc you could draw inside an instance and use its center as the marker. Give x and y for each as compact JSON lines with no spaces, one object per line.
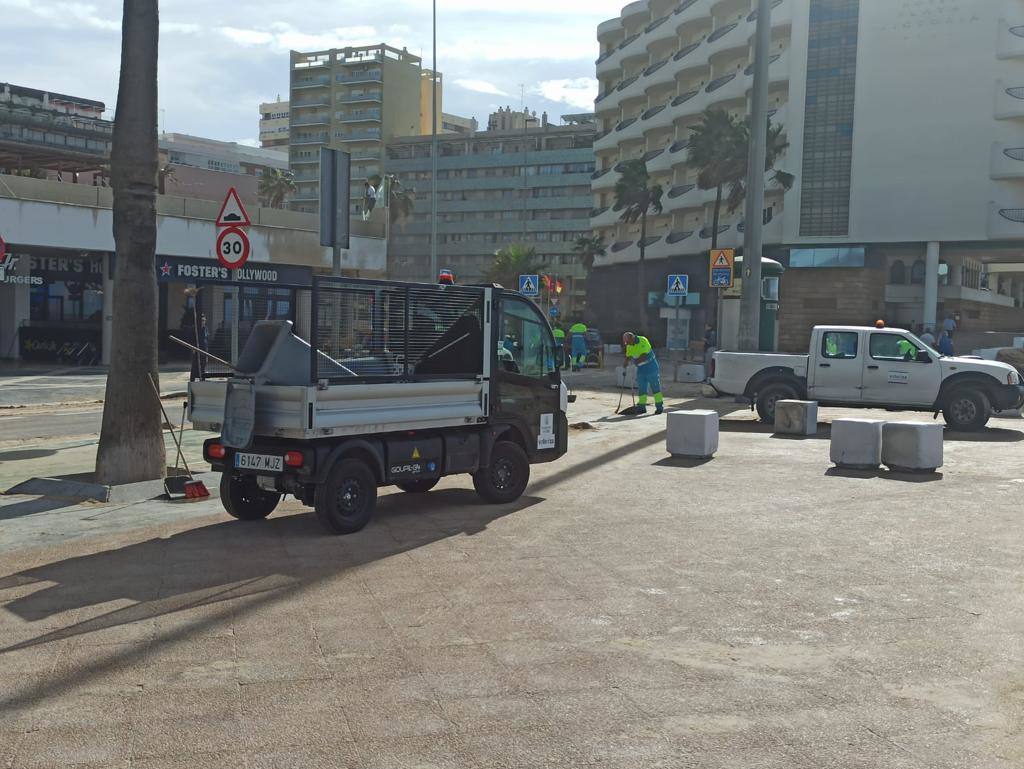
{"x":232,"y":247}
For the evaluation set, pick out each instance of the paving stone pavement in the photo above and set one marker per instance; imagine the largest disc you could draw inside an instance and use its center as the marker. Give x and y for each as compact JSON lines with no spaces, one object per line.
{"x":758,"y":610}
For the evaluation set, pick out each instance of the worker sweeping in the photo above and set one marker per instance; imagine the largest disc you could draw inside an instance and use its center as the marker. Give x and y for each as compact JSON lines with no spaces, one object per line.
{"x":559,"y":334}
{"x":648,"y":374}
{"x":578,"y":331}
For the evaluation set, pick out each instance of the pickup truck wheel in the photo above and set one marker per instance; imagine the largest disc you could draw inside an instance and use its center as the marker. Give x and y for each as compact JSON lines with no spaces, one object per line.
{"x":244,"y":500}
{"x":967,"y":410}
{"x":506,"y":478}
{"x":767,"y":398}
{"x":418,"y":487}
{"x":344,"y":503}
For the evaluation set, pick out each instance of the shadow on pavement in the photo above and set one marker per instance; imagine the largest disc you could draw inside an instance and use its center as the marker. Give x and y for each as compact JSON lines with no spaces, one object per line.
{"x":33,"y":506}
{"x":886,"y":475}
{"x":989,"y":435}
{"x":13,"y":456}
{"x":684,"y":462}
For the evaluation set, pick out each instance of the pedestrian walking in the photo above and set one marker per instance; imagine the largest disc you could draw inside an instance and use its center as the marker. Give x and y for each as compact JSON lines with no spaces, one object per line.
{"x":648,"y":374}
{"x":578,"y":332}
{"x":949,"y":325}
{"x":710,"y":345}
{"x":559,"y":334}
{"x":928,"y":337}
{"x":946,"y":344}
{"x":203,"y":343}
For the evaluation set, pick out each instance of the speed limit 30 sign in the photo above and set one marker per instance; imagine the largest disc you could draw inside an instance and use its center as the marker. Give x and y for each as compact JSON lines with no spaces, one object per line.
{"x":232,"y":247}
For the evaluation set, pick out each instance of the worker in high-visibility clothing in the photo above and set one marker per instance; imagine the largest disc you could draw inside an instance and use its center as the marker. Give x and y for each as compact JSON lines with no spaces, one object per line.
{"x":559,"y":334}
{"x":578,"y":330}
{"x":648,"y":374}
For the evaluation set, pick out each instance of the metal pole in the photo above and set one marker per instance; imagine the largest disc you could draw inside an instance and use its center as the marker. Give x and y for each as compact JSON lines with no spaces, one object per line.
{"x":750,"y":294}
{"x":433,"y":152}
{"x":336,"y":260}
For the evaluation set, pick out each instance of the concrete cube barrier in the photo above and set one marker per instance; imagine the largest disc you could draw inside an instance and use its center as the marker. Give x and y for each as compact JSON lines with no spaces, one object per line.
{"x":912,"y":446}
{"x":625,"y":377}
{"x":690,"y":372}
{"x":796,"y":417}
{"x":856,"y":443}
{"x":692,"y":434}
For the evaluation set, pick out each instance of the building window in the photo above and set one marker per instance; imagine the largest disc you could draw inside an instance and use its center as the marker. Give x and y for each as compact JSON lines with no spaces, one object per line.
{"x":898,"y":273}
{"x":827,"y":257}
{"x":828,"y":120}
{"x":917,"y":273}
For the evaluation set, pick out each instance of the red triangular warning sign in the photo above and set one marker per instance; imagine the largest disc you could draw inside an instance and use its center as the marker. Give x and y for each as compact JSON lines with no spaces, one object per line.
{"x":721,"y":259}
{"x":232,"y":212}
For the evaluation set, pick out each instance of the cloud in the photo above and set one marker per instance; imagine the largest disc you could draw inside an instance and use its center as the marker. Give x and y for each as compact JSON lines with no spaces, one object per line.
{"x":578,"y":92}
{"x":480,"y":86}
{"x":281,"y":36}
{"x":246,"y":36}
{"x":66,"y":15}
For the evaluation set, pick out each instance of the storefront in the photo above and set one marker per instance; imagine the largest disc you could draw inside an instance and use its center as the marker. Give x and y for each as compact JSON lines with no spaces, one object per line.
{"x":51,"y":305}
{"x":191,"y":289}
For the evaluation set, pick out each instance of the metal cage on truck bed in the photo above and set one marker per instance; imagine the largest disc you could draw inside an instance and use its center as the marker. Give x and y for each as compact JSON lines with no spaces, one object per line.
{"x":382,"y":356}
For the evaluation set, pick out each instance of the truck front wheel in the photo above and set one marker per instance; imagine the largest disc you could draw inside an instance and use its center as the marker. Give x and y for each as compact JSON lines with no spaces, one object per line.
{"x":505,"y":479}
{"x":244,"y":499}
{"x":769,"y":396}
{"x":344,"y":503}
{"x":967,"y":410}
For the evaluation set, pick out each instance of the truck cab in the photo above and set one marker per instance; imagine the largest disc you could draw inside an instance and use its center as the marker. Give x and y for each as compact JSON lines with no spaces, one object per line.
{"x":872,"y":367}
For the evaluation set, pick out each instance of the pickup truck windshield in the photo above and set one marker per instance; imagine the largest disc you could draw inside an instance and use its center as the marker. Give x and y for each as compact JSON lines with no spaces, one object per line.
{"x":891,"y":346}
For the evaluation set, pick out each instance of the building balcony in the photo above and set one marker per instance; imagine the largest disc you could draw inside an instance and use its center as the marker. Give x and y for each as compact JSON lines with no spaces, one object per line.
{"x":361,"y":117}
{"x":311,"y":102}
{"x":606,"y":217}
{"x":304,"y":161}
{"x":375,"y":96}
{"x":314,"y":82}
{"x":358,"y":136}
{"x":369,"y":76}
{"x":607,"y":179}
{"x":320,"y":139}
{"x":1007,"y":161}
{"x":323,"y":119}
{"x":1009,"y":101}
{"x":1006,"y":221}
{"x":690,"y":10}
{"x":1011,"y":41}
{"x":660,"y":30}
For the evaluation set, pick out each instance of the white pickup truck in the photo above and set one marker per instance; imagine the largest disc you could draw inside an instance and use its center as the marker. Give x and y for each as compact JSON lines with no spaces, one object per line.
{"x":885,"y":368}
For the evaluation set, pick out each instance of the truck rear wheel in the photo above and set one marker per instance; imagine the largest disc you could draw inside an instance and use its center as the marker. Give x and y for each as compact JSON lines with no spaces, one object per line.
{"x":244,"y":499}
{"x":769,"y":396}
{"x":418,"y":487}
{"x":344,"y":503}
{"x":507,"y":476}
{"x":967,"y":410}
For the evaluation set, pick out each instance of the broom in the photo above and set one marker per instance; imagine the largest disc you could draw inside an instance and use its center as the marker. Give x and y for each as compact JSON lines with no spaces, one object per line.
{"x":175,"y":486}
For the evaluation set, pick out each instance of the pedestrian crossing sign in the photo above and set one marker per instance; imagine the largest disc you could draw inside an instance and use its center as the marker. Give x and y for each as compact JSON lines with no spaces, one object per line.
{"x":529,"y":285}
{"x":678,"y":285}
{"x":721,"y":269}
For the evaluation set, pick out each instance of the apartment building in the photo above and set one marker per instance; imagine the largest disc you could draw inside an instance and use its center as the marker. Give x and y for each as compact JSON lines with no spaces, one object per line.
{"x":208,"y":168}
{"x":496,"y":188}
{"x":428,"y":77}
{"x":354,"y":99}
{"x":905,"y":123}
{"x":274,"y":125}
{"x":453,"y":124}
{"x":52,"y":134}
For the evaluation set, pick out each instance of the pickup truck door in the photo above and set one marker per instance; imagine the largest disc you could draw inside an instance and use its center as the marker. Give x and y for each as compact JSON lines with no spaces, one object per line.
{"x":528,"y":381}
{"x":893,"y":375}
{"x":837,"y":367}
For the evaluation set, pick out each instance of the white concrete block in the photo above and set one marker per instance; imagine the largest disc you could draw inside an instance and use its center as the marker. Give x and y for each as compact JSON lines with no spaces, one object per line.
{"x":796,"y":417}
{"x":690,"y":372}
{"x":625,"y":377}
{"x":912,"y":446}
{"x":856,"y":443}
{"x":692,"y":434}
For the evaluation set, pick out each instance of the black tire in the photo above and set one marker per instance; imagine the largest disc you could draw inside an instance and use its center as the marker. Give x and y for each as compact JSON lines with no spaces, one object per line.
{"x":767,"y":398}
{"x":244,"y":500}
{"x":418,"y":487}
{"x":344,"y":503}
{"x":967,"y":410}
{"x":507,"y":476}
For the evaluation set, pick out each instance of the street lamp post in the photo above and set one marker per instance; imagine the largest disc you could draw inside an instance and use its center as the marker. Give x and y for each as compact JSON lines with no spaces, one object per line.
{"x":750,"y":295}
{"x":433,"y":150}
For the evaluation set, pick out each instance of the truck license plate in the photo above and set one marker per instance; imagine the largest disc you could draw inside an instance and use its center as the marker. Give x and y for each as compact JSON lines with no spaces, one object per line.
{"x":259,"y":462}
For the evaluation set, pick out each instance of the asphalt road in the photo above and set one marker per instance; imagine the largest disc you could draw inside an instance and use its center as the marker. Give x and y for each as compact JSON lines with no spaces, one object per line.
{"x":39,"y":387}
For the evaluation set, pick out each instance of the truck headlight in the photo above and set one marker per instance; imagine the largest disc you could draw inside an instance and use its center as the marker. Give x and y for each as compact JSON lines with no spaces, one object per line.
{"x":1012,"y":378}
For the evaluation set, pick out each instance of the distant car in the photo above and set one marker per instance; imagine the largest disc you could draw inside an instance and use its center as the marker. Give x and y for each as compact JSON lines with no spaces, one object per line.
{"x":447,"y":277}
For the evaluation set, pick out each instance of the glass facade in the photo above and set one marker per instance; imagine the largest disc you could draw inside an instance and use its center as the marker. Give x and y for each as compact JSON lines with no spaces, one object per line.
{"x":827,"y":257}
{"x":828,"y":120}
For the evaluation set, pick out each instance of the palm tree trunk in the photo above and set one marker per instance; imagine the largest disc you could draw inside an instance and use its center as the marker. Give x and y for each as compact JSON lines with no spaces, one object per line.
{"x":641,"y":318}
{"x":716,"y":218}
{"x":131,"y":446}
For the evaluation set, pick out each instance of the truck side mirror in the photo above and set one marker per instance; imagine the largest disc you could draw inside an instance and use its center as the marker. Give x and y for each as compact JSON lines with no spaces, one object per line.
{"x":923,"y":356}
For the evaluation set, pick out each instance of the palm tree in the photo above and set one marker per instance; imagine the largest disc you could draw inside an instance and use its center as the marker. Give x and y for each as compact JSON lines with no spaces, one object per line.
{"x":635,"y":196}
{"x":401,"y":201}
{"x":510,"y":262}
{"x":131,"y":446}
{"x":715,"y":150}
{"x":275,"y":186}
{"x":162,"y":175}
{"x":776,"y":148}
{"x":589,"y":248}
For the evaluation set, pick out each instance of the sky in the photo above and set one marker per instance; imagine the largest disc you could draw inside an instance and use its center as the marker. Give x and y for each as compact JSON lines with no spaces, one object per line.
{"x":219,"y":60}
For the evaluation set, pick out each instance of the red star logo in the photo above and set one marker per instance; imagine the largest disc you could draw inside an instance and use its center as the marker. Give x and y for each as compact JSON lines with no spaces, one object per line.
{"x":165,"y":270}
